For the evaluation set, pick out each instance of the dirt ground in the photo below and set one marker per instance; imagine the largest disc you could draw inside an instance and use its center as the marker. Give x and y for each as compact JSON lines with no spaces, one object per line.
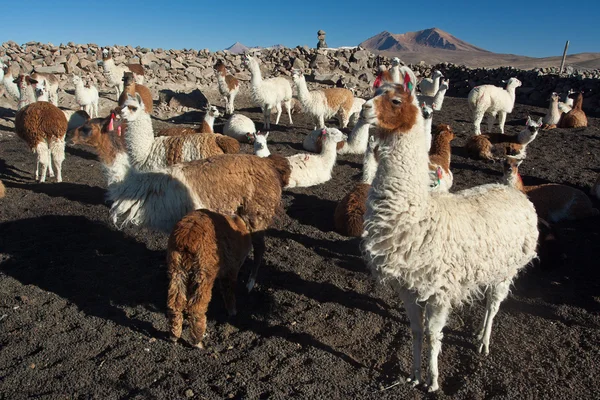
{"x":82,"y":304}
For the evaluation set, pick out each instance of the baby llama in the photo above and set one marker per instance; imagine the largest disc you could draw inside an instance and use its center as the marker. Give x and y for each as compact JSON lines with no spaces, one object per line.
{"x":313,"y":142}
{"x":269,"y":93}
{"x":86,"y":97}
{"x":239,"y":127}
{"x":497,"y":145}
{"x":324,"y":103}
{"x":349,"y":212}
{"x":108,"y":143}
{"x":492,"y":100}
{"x":130,"y":87}
{"x":114,"y":73}
{"x":7,"y":81}
{"x":553,"y":115}
{"x":576,"y":117}
{"x":43,"y":126}
{"x":314,"y":169}
{"x":51,"y":83}
{"x":149,"y":153}
{"x":438,"y":250}
{"x":241,"y":184}
{"x":207,"y":126}
{"x":260,"y":144}
{"x":229,"y":86}
{"x":553,"y":202}
{"x":430,"y":86}
{"x":203,"y":247}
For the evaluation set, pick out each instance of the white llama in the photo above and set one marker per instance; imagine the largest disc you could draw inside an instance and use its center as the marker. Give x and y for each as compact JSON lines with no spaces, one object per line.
{"x":86,"y":97}
{"x":438,"y":249}
{"x":492,"y":100}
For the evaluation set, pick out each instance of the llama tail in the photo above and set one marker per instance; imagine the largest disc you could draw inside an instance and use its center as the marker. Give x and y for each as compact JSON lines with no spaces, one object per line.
{"x":155,"y":200}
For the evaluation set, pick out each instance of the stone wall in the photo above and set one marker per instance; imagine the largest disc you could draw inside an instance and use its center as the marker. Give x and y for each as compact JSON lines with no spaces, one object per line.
{"x":354,"y":66}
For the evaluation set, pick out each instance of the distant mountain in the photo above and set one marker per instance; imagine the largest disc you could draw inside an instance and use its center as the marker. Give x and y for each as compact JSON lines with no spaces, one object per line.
{"x":238,"y":48}
{"x":432,"y":38}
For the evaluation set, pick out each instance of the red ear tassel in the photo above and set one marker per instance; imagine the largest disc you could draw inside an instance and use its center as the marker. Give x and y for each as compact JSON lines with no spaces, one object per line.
{"x":111,"y":126}
{"x":377,"y":82}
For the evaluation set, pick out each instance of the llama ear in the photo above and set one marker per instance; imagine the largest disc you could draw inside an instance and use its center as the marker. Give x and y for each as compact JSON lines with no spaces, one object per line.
{"x":31,"y":81}
{"x":266,"y":135}
{"x":539,"y":123}
{"x":139,"y":98}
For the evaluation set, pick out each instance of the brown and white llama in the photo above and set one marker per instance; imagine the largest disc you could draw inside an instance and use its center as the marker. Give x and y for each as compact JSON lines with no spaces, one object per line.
{"x":130,"y":87}
{"x":438,"y":250}
{"x":493,"y":146}
{"x":439,"y":158}
{"x":114,"y":73}
{"x":229,"y":86}
{"x":553,"y":202}
{"x":575,"y":118}
{"x":43,"y":126}
{"x":204,"y":246}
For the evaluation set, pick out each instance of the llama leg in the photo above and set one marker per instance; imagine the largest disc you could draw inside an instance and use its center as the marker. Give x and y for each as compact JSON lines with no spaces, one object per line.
{"x":258,"y":243}
{"x":343,"y":118}
{"x":321,"y":121}
{"x":436,"y":316}
{"x":278,"y":108}
{"x":490,"y":122}
{"x":228,"y":284}
{"x":415,"y":315}
{"x":478,"y":117}
{"x":43,"y":160}
{"x":501,"y":120}
{"x":486,"y":313}
{"x":176,"y":301}
{"x":57,"y":151}
{"x":267,"y":117}
{"x":288,"y":105}
{"x":497,"y":294}
{"x":203,"y":281}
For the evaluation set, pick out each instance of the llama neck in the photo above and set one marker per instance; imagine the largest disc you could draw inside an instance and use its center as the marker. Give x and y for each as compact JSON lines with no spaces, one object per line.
{"x":526,"y":136}
{"x":369,"y":166}
{"x":578,"y":102}
{"x":514,"y":180}
{"x":395,"y":74}
{"x":438,"y":99}
{"x":303,"y":93}
{"x":139,"y":138}
{"x":43,"y":97}
{"x":401,"y":184}
{"x":256,"y":75}
{"x":208,"y":124}
{"x":436,"y":84}
{"x":27,"y":96}
{"x":511,"y":92}
{"x":428,"y":122}
{"x":553,"y":110}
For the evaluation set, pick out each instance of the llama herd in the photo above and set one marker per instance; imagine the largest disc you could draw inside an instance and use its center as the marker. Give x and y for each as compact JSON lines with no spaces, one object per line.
{"x":437,"y":249}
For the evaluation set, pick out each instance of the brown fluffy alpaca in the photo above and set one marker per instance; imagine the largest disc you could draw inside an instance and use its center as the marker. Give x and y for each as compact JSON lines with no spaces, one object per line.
{"x":2,"y":190}
{"x":553,"y":202}
{"x":131,"y":88}
{"x":576,"y":117}
{"x":43,"y":126}
{"x":349,"y":213}
{"x":441,"y":151}
{"x":203,"y":246}
{"x":241,"y":184}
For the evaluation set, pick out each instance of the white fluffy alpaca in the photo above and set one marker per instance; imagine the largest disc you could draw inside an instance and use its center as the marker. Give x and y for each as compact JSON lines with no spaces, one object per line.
{"x":492,"y":100}
{"x":239,"y":127}
{"x":86,"y":97}
{"x":324,"y":103}
{"x":427,"y":113}
{"x":7,"y":80}
{"x":313,"y":142}
{"x":357,"y":140}
{"x":314,"y":169}
{"x":438,"y":250}
{"x":260,"y":144}
{"x":269,"y":93}
{"x":430,"y":86}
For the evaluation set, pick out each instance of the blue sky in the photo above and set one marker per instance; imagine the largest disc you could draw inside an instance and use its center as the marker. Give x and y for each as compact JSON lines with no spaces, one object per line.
{"x":526,"y":27}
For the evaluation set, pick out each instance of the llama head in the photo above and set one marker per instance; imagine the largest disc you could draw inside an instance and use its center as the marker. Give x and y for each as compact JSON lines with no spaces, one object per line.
{"x":248,"y":60}
{"x":532,"y":125}
{"x":332,"y":135}
{"x":220,"y":67}
{"x":510,"y":167}
{"x":396,"y":62}
{"x":76,"y":79}
{"x":445,"y":84}
{"x":554,"y":97}
{"x":106,"y":55}
{"x":437,"y":74}
{"x":5,"y":69}
{"x":128,"y":79}
{"x":89,"y":133}
{"x":260,"y":144}
{"x":297,"y":75}
{"x":41,"y":91}
{"x":392,"y":110}
{"x":513,"y":83}
{"x":444,"y":131}
{"x":426,"y":111}
{"x":213,"y":111}
{"x":133,"y":108}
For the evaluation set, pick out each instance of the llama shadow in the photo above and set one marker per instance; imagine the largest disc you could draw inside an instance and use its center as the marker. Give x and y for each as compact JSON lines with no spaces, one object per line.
{"x":476,"y":168}
{"x":7,"y":113}
{"x":100,"y":270}
{"x":80,"y":151}
{"x":311,"y":210}
{"x":290,"y":145}
{"x":92,"y":195}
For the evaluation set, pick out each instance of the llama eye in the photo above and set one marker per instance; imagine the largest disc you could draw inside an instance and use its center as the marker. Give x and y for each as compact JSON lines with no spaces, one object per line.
{"x":396,"y":101}
{"x":132,"y":108}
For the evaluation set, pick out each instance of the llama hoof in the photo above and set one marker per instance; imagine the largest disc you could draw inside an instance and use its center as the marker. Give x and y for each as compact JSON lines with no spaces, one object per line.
{"x":199,"y":345}
{"x":250,"y":284}
{"x":433,"y":388}
{"x":483,"y":348}
{"x":412,"y":381}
